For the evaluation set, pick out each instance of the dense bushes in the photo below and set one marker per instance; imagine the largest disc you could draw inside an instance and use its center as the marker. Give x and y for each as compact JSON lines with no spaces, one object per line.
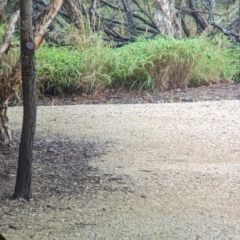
{"x":145,"y":64}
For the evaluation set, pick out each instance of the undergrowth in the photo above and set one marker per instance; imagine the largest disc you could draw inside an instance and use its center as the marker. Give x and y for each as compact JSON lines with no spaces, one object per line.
{"x":58,"y":68}
{"x":155,"y":64}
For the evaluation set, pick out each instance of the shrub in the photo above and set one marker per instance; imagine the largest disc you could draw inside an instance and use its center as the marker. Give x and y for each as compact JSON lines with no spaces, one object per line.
{"x":145,"y":64}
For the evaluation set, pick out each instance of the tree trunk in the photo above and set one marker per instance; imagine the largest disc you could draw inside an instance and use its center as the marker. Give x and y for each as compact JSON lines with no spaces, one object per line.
{"x":201,"y":23}
{"x":9,"y":85}
{"x":28,"y":46}
{"x":130,"y":21}
{"x":7,"y":88}
{"x":24,"y":172}
{"x":73,"y":13}
{"x":3,"y":4}
{"x":166,"y":18}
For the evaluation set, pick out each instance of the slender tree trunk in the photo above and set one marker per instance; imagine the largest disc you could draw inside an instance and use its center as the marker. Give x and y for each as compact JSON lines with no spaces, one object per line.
{"x":201,"y":23}
{"x":166,"y":18}
{"x":24,"y":172}
{"x":7,"y":88}
{"x":130,"y":21}
{"x":73,"y":12}
{"x":3,"y":4}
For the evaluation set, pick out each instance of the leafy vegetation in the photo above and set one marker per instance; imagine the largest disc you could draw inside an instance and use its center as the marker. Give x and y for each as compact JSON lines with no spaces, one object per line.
{"x":2,"y":29}
{"x":87,"y":64}
{"x":145,"y":64}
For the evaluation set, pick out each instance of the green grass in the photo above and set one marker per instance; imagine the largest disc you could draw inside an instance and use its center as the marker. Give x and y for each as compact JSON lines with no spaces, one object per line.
{"x":58,"y":69}
{"x":2,"y":29}
{"x":146,"y":64}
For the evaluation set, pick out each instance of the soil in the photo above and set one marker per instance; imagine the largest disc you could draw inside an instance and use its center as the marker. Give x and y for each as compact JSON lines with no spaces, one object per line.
{"x":152,"y":166}
{"x":215,"y":92}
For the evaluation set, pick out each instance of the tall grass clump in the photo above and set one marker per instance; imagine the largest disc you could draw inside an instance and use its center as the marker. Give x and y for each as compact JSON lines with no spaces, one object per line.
{"x":218,"y":60}
{"x":158,"y":63}
{"x":166,"y":62}
{"x":155,"y":64}
{"x":58,"y":69}
{"x":232,"y":66}
{"x":80,"y":66}
{"x":95,"y":68}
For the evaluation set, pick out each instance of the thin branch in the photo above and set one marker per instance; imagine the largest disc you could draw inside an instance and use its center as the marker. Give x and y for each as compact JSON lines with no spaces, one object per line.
{"x":10,"y":29}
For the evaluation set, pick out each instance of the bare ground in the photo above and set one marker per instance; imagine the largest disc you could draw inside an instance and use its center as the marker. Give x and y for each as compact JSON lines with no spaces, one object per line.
{"x":215,"y":92}
{"x":136,"y":171}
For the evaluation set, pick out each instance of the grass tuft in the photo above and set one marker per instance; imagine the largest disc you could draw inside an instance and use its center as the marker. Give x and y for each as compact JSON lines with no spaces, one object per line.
{"x":156,"y":64}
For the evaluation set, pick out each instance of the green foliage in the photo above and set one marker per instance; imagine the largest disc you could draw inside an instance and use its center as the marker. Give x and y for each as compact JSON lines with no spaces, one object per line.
{"x":158,"y":63}
{"x":58,"y":68}
{"x":8,"y":61}
{"x":218,"y":61}
{"x":232,"y":68}
{"x":2,"y":29}
{"x":145,"y":64}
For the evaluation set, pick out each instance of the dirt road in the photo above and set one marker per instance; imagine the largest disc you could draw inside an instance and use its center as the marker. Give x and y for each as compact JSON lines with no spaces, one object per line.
{"x":157,"y":171}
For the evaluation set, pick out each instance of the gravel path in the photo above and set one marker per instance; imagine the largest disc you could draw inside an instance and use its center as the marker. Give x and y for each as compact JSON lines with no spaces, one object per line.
{"x":169,"y":171}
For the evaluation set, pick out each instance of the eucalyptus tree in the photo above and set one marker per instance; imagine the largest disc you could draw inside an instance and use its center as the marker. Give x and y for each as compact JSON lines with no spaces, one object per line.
{"x":166,"y":18}
{"x":28,"y":70}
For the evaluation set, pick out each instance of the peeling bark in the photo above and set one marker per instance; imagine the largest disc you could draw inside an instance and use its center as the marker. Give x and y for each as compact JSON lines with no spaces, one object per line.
{"x":3,"y":4}
{"x":7,"y":87}
{"x":45,"y":19}
{"x":166,"y":18}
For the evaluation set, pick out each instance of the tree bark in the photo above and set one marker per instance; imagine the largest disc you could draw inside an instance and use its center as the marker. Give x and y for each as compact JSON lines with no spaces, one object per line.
{"x":24,"y":171}
{"x":3,"y":4}
{"x":9,"y":85}
{"x":166,"y":18}
{"x":197,"y":16}
{"x":130,"y":21}
{"x":73,"y":13}
{"x":6,"y":88}
{"x":28,"y":73}
{"x":45,"y":19}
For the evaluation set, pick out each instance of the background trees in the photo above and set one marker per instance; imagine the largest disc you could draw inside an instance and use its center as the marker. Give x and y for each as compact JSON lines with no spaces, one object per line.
{"x":116,"y":22}
{"x":121,"y":21}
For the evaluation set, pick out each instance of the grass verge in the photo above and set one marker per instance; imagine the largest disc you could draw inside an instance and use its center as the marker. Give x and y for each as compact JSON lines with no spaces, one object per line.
{"x":155,"y":64}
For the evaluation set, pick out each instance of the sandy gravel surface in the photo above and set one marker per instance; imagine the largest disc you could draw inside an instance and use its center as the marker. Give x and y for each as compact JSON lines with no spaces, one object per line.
{"x":170,"y":171}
